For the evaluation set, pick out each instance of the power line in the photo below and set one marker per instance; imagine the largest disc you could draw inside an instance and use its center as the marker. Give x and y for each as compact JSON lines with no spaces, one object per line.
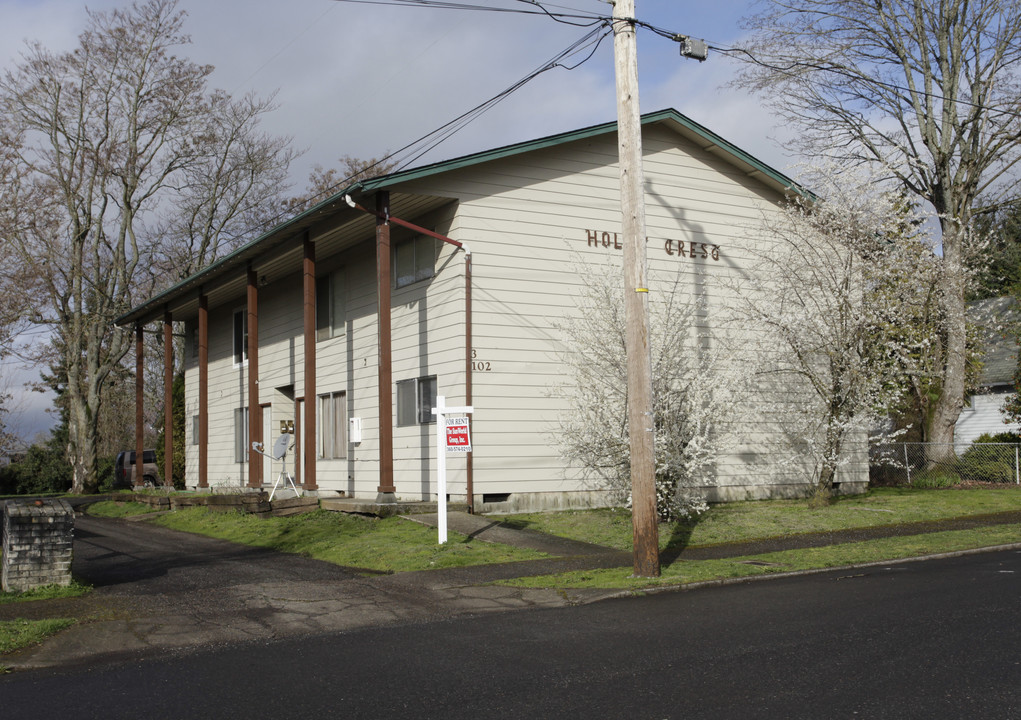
{"x":428,"y":142}
{"x":424,"y":144}
{"x":448,"y":5}
{"x":790,"y":68}
{"x":591,"y":39}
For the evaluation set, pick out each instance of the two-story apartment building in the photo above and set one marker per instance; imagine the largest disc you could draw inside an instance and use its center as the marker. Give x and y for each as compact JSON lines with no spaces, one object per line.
{"x":343,"y":324}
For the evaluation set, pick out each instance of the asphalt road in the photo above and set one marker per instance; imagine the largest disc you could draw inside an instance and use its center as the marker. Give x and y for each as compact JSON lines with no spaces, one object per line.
{"x":932,"y":639}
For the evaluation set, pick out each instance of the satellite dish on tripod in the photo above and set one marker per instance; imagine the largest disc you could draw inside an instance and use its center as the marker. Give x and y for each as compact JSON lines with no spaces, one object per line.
{"x":280,"y":448}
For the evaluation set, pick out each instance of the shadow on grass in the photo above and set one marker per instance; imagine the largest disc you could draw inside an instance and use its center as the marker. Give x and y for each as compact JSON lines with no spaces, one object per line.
{"x":680,"y":537}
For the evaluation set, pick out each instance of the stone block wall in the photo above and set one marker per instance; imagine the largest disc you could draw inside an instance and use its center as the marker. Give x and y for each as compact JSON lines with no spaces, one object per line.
{"x":37,"y":544}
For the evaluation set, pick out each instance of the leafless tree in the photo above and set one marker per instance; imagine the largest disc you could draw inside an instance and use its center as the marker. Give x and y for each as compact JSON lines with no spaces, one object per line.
{"x":323,"y":182}
{"x":106,"y":137}
{"x":237,"y":175}
{"x":927,"y":91}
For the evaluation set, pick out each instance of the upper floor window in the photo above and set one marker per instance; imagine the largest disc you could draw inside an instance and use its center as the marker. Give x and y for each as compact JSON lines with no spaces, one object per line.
{"x":331,"y":305}
{"x":240,"y":336}
{"x":414,"y":260}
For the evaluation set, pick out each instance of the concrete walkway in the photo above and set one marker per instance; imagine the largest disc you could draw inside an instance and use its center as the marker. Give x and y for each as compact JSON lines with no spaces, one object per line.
{"x":158,"y":591}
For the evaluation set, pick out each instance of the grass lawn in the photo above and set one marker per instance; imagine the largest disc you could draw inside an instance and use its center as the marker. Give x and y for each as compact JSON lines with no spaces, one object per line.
{"x":20,"y":633}
{"x":370,"y":544}
{"x":681,"y":572}
{"x":739,"y":521}
{"x":47,"y":592}
{"x":397,"y":545}
{"x":16,"y":634}
{"x":112,"y":509}
{"x":743,"y":521}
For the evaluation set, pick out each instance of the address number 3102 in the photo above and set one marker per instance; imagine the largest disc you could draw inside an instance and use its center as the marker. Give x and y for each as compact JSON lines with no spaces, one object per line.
{"x":480,"y":365}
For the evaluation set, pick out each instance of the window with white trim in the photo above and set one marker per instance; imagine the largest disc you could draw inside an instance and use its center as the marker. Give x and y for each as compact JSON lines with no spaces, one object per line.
{"x":241,"y":435}
{"x":240,"y":336}
{"x":416,"y":399}
{"x":191,"y":333}
{"x":333,"y":425}
{"x":331,"y":305}
{"x":414,"y":260}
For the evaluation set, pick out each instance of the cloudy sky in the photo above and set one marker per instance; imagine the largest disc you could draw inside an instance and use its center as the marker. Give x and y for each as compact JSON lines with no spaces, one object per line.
{"x":361,"y":79}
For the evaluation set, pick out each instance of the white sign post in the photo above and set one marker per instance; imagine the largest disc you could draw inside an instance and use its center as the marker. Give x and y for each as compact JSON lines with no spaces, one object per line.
{"x":451,"y":436}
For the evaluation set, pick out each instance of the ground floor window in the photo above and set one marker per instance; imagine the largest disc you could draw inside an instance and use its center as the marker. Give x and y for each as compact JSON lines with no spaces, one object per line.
{"x":241,"y":435}
{"x":333,"y":425}
{"x":416,"y":399}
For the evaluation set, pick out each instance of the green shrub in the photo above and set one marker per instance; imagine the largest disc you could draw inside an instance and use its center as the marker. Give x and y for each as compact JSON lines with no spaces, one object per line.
{"x":935,"y":479}
{"x":987,"y":463}
{"x":44,"y":469}
{"x":1003,"y":437}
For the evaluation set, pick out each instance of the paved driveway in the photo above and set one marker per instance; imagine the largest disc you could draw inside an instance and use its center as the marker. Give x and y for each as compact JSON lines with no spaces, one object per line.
{"x":158,"y":590}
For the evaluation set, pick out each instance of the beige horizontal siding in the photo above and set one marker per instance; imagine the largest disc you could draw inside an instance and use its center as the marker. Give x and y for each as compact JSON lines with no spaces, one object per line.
{"x":527,"y":221}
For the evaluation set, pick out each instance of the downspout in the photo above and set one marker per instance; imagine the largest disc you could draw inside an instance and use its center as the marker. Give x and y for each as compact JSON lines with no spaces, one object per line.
{"x":470,"y":489}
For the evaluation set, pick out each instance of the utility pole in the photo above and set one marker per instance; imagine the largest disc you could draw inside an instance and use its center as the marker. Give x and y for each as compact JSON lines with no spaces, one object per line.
{"x":636,"y":294}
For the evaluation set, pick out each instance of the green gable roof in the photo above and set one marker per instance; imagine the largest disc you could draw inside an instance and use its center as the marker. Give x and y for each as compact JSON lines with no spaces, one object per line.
{"x":684,"y":124}
{"x":705,"y":138}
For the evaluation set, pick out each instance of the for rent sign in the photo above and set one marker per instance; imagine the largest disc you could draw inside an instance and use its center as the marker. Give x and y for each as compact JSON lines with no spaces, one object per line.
{"x":458,"y":440}
{"x":451,"y":436}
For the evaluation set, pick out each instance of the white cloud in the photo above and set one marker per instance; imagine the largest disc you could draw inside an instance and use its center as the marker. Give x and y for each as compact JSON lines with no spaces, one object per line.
{"x":362,"y":79}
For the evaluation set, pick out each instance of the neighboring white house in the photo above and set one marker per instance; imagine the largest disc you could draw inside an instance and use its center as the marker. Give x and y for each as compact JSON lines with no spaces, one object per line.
{"x":983,"y":411}
{"x":288,"y":327}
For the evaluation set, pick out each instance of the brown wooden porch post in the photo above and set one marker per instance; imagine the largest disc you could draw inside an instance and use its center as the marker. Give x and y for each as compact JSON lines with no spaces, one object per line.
{"x":386,"y":492}
{"x":203,"y":391}
{"x":254,"y":408}
{"x":139,"y":419}
{"x":168,"y":398}
{"x":309,"y":284}
{"x":297,"y":441}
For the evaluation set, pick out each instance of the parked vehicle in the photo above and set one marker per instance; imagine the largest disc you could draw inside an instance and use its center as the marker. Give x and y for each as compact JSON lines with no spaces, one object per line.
{"x":124,"y":470}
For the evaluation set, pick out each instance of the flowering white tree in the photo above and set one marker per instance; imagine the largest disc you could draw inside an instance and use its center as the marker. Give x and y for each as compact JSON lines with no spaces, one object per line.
{"x":826,"y":305}
{"x":692,"y":397}
{"x":925,"y":93}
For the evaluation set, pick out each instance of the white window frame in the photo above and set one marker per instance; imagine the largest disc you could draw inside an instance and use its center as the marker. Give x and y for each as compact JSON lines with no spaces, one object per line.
{"x":241,"y":435}
{"x":416,"y":397}
{"x":331,"y":305}
{"x":240,"y":354}
{"x":333,"y":426}
{"x":422,"y":250}
{"x":192,"y":333}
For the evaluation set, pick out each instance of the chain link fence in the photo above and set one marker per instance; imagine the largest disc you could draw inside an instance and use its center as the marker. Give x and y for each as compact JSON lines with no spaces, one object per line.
{"x":910,"y":464}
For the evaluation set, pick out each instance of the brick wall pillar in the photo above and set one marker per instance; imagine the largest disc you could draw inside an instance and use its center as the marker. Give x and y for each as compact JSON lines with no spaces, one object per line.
{"x":37,"y":538}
